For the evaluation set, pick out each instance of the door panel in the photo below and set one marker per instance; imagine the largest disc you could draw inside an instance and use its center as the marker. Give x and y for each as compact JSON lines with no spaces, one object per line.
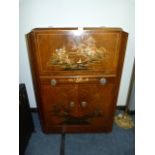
{"x":59,"y":103}
{"x":95,"y":103}
{"x":63,"y":51}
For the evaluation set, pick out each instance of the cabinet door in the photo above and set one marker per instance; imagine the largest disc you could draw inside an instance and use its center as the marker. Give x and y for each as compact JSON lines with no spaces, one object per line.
{"x":59,"y":104}
{"x":61,"y":51}
{"x":95,"y":103}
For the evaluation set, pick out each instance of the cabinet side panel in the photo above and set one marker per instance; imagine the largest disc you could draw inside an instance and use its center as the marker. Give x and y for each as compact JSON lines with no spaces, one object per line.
{"x":122,"y":49}
{"x":35,"y":76}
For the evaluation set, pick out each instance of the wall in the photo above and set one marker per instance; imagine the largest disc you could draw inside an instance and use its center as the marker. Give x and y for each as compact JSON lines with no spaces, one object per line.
{"x":78,"y":13}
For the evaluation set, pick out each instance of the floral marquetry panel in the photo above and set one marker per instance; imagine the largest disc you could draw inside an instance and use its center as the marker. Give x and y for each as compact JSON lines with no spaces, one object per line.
{"x":64,"y":51}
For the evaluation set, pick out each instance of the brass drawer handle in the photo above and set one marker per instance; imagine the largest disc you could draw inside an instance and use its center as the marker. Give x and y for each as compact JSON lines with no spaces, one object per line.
{"x":103,"y":81}
{"x":72,"y":104}
{"x":83,"y":104}
{"x":53,"y":82}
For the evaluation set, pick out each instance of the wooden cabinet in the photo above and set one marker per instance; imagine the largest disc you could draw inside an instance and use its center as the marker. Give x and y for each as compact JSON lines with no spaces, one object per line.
{"x":76,"y":76}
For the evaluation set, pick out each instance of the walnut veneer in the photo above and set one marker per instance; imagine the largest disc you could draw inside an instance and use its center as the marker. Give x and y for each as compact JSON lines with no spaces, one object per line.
{"x":76,"y":76}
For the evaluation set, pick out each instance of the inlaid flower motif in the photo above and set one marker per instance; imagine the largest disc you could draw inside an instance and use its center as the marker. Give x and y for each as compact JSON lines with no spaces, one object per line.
{"x":78,"y":53}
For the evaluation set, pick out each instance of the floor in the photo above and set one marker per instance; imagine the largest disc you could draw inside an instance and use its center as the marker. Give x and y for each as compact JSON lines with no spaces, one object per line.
{"x":118,"y":142}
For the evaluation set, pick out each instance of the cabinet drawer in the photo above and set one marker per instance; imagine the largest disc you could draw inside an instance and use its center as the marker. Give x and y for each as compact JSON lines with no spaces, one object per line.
{"x":77,"y":79}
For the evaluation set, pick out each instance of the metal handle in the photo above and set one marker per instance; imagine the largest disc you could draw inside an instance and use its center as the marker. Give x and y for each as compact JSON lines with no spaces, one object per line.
{"x":103,"y":81}
{"x":53,"y":82}
{"x":72,"y":104}
{"x":83,"y":104}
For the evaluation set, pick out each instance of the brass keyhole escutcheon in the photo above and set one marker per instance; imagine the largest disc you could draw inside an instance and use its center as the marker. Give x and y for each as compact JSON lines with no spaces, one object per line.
{"x":83,"y":104}
{"x":72,"y":104}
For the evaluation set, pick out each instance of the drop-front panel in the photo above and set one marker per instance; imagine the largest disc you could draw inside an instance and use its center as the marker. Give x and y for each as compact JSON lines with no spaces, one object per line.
{"x":76,"y":76}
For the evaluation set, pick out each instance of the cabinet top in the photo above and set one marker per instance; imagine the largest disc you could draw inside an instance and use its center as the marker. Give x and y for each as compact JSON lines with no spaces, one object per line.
{"x":76,"y":28}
